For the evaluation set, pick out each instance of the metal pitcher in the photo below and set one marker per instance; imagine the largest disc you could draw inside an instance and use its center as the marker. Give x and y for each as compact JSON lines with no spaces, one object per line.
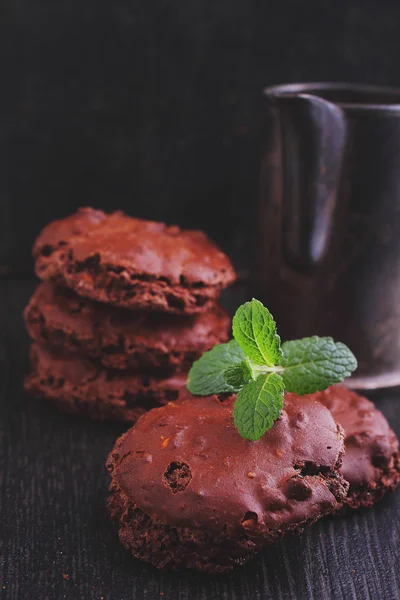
{"x":328,"y":241}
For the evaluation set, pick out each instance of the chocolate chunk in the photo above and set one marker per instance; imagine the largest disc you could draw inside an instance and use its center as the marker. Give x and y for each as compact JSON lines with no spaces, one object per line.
{"x":177,"y":476}
{"x":298,"y":489}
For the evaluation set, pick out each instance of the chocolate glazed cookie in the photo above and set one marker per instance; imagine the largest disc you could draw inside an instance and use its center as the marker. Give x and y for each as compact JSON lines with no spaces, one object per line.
{"x":132,"y":263}
{"x":77,"y":385}
{"x":371,"y":463}
{"x":120,"y":338}
{"x":188,"y":490}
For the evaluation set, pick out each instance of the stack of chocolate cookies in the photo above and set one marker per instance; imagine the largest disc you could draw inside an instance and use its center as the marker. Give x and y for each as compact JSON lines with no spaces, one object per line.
{"x":124,"y":308}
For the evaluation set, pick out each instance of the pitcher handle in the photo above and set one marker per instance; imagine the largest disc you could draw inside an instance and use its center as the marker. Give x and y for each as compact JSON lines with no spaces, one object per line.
{"x":313,"y":135}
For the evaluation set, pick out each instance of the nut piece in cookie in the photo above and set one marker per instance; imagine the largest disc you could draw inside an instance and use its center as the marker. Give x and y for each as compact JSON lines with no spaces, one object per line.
{"x":80,"y":386}
{"x":121,"y":338}
{"x":371,"y":463}
{"x":132,"y":263}
{"x":188,"y":491}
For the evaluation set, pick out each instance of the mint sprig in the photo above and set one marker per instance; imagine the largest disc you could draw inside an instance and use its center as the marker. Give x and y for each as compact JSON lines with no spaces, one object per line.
{"x":256,"y":367}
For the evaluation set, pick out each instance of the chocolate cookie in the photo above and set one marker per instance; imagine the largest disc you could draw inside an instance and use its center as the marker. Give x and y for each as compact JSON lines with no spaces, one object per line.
{"x":76,"y":385}
{"x":121,"y":338}
{"x":187,"y":490}
{"x":132,"y":263}
{"x":371,"y":463}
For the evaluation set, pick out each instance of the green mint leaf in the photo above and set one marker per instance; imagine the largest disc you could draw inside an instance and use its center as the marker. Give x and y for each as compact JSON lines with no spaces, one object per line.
{"x":207,"y":374}
{"x":314,"y":363}
{"x":258,"y":405}
{"x":238,"y":374}
{"x":254,"y":330}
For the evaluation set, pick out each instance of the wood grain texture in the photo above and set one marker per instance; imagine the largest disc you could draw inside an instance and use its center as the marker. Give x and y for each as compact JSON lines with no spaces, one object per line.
{"x":54,"y":523}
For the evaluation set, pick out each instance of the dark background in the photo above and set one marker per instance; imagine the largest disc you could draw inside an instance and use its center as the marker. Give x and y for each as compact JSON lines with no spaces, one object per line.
{"x":155,"y":106}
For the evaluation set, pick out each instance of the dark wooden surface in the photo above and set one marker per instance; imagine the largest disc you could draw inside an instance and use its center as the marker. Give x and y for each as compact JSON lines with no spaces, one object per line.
{"x":57,"y":542}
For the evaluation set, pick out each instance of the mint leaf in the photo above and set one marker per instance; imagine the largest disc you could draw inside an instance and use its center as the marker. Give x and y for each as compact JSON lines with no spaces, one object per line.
{"x":207,"y":374}
{"x":314,"y":363}
{"x":258,"y":405}
{"x":238,"y":374}
{"x":254,"y":330}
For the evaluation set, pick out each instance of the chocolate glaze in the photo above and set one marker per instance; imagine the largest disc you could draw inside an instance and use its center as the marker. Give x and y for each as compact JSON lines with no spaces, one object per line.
{"x":78,"y":385}
{"x":134,"y":263}
{"x":121,"y":338}
{"x":186,"y":465}
{"x":371,"y":461}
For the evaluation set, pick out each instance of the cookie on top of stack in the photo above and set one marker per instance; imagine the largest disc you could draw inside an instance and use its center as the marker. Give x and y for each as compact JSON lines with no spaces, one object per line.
{"x":124,"y":308}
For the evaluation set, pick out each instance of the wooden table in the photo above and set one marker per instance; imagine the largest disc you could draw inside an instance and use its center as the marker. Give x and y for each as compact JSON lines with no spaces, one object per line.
{"x":56,"y":540}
